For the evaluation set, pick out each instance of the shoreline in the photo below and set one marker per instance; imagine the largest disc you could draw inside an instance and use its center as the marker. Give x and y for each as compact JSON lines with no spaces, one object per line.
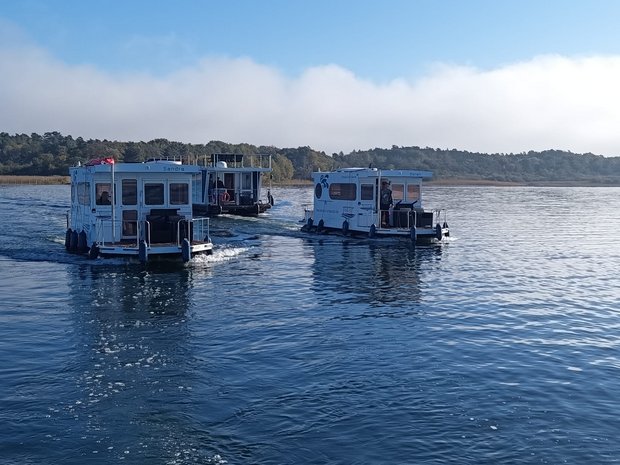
{"x":448,"y":182}
{"x":11,"y":179}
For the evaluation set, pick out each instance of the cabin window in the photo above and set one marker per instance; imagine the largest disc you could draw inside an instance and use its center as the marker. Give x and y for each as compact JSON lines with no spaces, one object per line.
{"x":103,"y":193}
{"x":130,"y":223}
{"x":130,"y":192}
{"x":398,"y":192}
{"x":154,"y":193}
{"x":246,"y":183}
{"x":367,"y":191}
{"x":83,"y":193}
{"x":342,"y":191}
{"x":179,"y":193}
{"x":413,"y":192}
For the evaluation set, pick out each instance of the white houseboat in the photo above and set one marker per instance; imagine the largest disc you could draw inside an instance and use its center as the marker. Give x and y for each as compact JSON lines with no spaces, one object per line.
{"x":231,"y":183}
{"x":141,"y":210}
{"x":374,"y":203}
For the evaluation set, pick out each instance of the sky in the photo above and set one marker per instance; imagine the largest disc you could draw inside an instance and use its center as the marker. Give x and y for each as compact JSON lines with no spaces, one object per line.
{"x":479,"y":75}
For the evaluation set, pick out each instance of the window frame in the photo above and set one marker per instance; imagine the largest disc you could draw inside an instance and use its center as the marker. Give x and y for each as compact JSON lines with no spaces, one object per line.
{"x":343,"y":191}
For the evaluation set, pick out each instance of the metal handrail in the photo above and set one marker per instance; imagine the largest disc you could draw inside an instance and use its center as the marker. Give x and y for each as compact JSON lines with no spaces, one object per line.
{"x":198,"y":227}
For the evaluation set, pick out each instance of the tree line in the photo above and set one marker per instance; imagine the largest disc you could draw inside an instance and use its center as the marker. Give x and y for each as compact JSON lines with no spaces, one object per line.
{"x":53,"y":154}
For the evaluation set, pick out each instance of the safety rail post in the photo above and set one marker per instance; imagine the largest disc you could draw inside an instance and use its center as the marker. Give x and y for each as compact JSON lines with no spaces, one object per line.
{"x":178,"y":234}
{"x":308,"y":212}
{"x":147,"y":235}
{"x":138,"y":230}
{"x":200,"y":229}
{"x":188,"y":229}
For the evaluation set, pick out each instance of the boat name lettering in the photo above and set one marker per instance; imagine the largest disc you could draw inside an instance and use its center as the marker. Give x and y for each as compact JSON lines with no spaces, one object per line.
{"x":174,"y":168}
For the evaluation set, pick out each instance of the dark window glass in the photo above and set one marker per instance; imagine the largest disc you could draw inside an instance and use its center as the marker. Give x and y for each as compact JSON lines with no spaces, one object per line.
{"x":367,"y":192}
{"x":103,"y":194}
{"x":130,"y":223}
{"x":179,"y":193}
{"x":130,"y":192}
{"x":342,"y":191}
{"x":154,"y":194}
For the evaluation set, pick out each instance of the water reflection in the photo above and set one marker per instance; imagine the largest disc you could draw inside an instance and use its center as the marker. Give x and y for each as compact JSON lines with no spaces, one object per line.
{"x":134,"y":361}
{"x":377,"y":273}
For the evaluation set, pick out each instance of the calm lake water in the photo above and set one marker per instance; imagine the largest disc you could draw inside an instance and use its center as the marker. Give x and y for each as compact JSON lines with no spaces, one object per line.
{"x":499,"y":346}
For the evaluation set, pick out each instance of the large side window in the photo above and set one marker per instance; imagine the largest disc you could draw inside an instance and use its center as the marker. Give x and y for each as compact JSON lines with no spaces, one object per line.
{"x":154,"y":193}
{"x":103,"y":192}
{"x":398,"y":192}
{"x":83,"y":193}
{"x":130,"y":192}
{"x":367,"y":191}
{"x":246,"y":183}
{"x":179,"y":193}
{"x":413,"y":192}
{"x":342,"y":191}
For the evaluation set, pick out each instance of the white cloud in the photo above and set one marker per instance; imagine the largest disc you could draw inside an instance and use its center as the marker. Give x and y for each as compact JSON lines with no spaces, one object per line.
{"x":547,"y":102}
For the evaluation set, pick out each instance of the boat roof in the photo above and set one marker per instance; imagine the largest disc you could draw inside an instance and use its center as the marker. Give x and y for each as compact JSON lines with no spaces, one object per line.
{"x":156,"y":166}
{"x":376,"y":173}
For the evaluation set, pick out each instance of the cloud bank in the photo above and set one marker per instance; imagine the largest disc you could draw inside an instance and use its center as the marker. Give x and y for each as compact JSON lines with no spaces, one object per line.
{"x":549,"y":102}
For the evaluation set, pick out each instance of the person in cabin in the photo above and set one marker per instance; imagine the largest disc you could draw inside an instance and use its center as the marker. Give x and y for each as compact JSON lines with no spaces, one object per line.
{"x":222,"y":192}
{"x":104,"y":199}
{"x":385,"y":202}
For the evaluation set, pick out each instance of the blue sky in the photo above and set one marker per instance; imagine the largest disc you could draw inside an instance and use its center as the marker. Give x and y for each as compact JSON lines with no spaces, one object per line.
{"x":491,"y":76}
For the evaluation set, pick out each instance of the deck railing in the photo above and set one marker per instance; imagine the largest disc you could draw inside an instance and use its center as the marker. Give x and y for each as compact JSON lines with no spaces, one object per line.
{"x":195,"y":229}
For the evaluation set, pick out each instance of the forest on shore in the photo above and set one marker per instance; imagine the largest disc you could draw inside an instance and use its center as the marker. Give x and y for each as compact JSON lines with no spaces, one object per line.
{"x":52,"y":153}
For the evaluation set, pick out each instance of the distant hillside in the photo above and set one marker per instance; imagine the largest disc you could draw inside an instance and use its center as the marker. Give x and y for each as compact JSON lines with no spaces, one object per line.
{"x":554,"y":166}
{"x":53,"y":154}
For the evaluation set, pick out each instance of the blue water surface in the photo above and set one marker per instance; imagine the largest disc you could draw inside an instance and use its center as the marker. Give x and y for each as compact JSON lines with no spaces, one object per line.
{"x":501,"y":345}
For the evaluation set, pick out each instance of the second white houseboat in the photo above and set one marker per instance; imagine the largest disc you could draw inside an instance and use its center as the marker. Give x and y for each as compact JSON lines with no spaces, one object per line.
{"x":231,"y":183}
{"x":375,"y":203}
{"x":141,"y":210}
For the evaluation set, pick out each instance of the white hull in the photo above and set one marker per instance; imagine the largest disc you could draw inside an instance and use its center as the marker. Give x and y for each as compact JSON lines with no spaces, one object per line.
{"x":349,"y":202}
{"x":141,"y":210}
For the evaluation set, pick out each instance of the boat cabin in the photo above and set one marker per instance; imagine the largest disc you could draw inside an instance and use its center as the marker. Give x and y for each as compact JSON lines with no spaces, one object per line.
{"x":135,"y":209}
{"x":374,"y":202}
{"x":232,"y":183}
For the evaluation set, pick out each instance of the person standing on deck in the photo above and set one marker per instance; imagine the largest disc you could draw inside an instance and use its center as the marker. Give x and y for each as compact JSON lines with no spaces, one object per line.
{"x":385,"y":202}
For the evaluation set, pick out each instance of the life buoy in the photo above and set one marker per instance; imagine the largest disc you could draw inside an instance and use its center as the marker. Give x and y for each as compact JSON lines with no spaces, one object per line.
{"x":224,"y":197}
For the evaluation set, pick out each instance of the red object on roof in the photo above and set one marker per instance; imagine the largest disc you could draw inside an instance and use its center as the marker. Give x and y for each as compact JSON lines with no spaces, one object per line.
{"x":100,"y":161}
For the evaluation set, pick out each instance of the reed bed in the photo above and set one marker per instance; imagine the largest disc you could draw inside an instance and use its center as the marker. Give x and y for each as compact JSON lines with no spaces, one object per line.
{"x":10,"y":179}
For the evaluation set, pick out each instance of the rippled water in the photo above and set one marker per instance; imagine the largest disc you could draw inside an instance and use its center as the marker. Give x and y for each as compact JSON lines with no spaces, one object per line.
{"x":500,"y":346}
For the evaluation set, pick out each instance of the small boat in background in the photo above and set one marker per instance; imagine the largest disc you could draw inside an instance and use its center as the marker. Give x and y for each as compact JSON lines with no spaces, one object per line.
{"x":141,"y":210}
{"x":231,"y":183}
{"x":374,"y":203}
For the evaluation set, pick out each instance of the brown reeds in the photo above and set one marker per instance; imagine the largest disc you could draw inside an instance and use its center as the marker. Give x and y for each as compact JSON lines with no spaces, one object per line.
{"x":10,"y":179}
